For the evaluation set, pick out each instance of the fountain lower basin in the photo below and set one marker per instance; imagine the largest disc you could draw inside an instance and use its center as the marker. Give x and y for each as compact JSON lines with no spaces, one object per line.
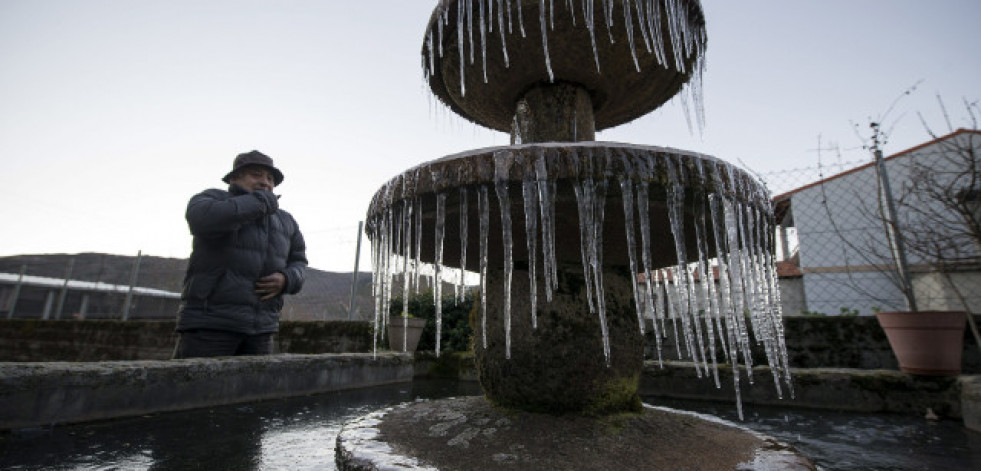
{"x":471,"y":434}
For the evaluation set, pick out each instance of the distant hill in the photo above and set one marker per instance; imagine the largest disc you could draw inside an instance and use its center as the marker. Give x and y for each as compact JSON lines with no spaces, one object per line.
{"x":325,"y":295}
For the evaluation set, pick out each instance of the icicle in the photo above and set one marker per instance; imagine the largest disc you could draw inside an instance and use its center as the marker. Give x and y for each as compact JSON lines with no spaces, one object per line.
{"x":483,"y":38}
{"x":417,"y":267}
{"x":705,"y":270}
{"x":642,"y":23}
{"x":597,"y":254}
{"x":406,"y":247}
{"x":657,"y":34}
{"x":432,"y":58}
{"x":585,"y":207}
{"x":490,"y":16}
{"x":551,"y":14}
{"x":529,"y":188}
{"x":629,"y":25}
{"x":650,"y":277}
{"x":439,"y":29}
{"x":521,"y":20}
{"x":438,"y":266}
{"x":387,"y":254}
{"x":627,"y":196}
{"x":608,"y":12}
{"x":459,"y":37}
{"x":504,"y":43}
{"x":588,"y":17}
{"x":548,"y":60}
{"x":591,"y":198}
{"x":736,"y":277}
{"x":671,"y":302}
{"x":683,"y":281}
{"x":470,"y":29}
{"x":376,"y":282}
{"x":463,"y":243}
{"x":546,"y":201}
{"x":501,"y":176}
{"x":483,"y":209}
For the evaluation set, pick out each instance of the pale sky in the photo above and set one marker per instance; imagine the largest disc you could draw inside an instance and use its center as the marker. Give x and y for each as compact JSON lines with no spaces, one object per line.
{"x":114,"y":112}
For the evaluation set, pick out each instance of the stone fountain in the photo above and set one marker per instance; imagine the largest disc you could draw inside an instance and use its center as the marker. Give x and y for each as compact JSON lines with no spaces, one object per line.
{"x":580,"y":247}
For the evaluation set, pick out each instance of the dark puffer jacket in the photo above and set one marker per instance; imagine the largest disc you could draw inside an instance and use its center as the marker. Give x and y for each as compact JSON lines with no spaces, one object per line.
{"x":239,"y":237}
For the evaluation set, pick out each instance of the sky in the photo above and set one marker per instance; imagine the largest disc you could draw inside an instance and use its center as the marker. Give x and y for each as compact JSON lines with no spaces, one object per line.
{"x":113,"y":113}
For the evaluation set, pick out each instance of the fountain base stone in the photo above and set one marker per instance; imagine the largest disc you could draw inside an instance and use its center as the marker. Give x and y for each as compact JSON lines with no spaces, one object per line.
{"x":472,"y":434}
{"x":559,"y":365}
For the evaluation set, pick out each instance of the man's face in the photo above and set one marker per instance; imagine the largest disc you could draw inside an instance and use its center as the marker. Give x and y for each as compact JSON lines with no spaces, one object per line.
{"x":253,"y":177}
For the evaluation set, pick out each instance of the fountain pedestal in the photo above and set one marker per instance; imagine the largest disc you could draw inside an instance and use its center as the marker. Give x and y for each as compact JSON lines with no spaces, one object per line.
{"x":559,"y":365}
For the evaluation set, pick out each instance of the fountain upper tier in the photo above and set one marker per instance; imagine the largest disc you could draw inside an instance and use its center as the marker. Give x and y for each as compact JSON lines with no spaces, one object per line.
{"x":630,"y":57}
{"x":565,"y":165}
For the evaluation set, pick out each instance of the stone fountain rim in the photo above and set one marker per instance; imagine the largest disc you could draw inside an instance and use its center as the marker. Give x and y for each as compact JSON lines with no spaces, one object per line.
{"x":358,"y":441}
{"x":395,"y":189}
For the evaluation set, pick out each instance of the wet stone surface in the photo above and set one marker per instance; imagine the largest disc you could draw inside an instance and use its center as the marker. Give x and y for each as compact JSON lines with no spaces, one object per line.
{"x":471,"y":434}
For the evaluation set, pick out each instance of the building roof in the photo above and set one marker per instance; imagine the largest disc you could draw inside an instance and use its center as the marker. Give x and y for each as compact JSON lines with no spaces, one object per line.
{"x":781,"y":202}
{"x":79,"y":285}
{"x":785,"y":269}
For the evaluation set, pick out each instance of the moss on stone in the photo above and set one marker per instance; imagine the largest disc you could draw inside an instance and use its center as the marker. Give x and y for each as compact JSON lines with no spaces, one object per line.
{"x":616,"y":395}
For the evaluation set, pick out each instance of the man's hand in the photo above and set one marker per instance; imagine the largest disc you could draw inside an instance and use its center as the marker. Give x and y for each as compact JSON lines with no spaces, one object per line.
{"x":270,"y":286}
{"x":268,"y":199}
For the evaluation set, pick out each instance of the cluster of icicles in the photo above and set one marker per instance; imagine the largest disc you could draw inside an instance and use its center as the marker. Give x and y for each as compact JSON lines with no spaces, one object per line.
{"x":685,"y":35}
{"x":709,"y":317}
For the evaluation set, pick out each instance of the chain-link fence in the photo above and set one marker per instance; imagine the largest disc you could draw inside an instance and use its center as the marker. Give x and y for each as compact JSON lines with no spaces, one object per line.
{"x":860,"y":237}
{"x":90,"y":286}
{"x":104,"y":286}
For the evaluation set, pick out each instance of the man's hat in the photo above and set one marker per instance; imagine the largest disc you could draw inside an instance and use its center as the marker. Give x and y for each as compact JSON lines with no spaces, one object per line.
{"x":254,"y":158}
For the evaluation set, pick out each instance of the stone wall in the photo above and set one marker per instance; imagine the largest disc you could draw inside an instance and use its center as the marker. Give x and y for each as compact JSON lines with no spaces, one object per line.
{"x":812,"y":342}
{"x":105,"y":340}
{"x":831,"y":342}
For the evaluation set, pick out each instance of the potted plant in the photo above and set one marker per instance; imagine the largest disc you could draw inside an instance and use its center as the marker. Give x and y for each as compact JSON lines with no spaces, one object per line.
{"x":404,"y":332}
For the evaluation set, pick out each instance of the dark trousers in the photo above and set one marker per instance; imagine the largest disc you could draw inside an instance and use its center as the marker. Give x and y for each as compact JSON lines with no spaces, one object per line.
{"x":219,"y":343}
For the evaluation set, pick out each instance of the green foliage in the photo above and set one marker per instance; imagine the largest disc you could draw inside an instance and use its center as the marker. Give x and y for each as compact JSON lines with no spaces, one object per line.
{"x":848,"y":312}
{"x":843,"y":312}
{"x":456,"y":331}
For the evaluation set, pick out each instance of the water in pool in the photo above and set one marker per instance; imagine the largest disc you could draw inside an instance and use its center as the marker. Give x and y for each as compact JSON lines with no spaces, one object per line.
{"x":298,"y":434}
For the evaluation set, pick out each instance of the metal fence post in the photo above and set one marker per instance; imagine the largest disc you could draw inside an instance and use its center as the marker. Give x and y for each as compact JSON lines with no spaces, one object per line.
{"x":12,"y":304}
{"x":354,"y":277}
{"x":64,"y":288}
{"x":132,"y":282}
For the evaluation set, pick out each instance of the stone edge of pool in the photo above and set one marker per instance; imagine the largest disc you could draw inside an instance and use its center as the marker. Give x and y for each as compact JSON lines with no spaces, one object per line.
{"x":48,"y":393}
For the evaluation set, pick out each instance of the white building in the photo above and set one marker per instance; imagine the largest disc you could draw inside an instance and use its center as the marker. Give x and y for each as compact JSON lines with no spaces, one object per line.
{"x":841,"y":244}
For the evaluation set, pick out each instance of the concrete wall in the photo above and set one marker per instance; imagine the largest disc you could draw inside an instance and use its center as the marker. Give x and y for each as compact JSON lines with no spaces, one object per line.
{"x":102,"y":340}
{"x":43,"y":394}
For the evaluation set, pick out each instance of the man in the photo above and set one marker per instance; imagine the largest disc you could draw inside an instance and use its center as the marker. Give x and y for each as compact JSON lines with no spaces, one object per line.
{"x":247,"y":254}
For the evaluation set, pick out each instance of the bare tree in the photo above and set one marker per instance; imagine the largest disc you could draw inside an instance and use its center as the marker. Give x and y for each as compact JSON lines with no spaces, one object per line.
{"x":932,"y":220}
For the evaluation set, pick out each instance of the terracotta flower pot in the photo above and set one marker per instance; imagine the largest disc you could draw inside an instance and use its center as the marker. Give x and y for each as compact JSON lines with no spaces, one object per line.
{"x":397,"y":333}
{"x":925,"y":342}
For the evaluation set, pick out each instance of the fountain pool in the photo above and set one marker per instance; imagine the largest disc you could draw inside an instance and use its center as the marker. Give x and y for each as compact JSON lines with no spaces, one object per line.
{"x":298,"y":434}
